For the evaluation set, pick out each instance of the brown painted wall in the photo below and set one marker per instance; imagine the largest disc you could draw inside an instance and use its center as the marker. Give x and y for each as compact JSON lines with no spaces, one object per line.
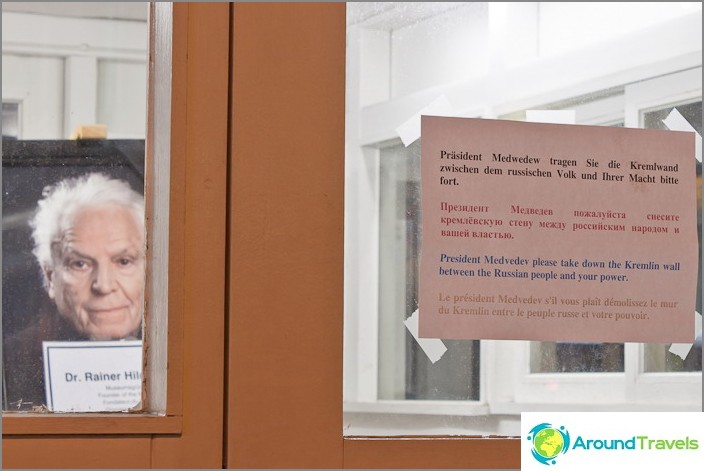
{"x":286,"y":236}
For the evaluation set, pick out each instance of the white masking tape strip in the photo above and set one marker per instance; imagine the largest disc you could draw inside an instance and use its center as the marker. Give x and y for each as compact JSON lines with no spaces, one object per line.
{"x":682,"y":349}
{"x":676,"y":122}
{"x":434,"y":348}
{"x":551,"y":116}
{"x":409,"y":131}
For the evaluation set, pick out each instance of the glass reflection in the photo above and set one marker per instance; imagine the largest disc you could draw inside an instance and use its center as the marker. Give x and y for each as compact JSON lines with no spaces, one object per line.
{"x":74,"y":123}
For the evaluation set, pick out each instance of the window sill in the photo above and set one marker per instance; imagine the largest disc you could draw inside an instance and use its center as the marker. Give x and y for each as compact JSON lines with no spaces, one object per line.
{"x":513,"y":408}
{"x":85,"y":424}
{"x":414,"y":417}
{"x":455,"y":408}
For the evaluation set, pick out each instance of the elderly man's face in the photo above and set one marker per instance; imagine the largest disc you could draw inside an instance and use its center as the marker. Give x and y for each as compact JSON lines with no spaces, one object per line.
{"x":97,"y":280}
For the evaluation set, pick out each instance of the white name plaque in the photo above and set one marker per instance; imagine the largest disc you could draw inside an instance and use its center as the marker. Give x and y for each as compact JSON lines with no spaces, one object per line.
{"x":93,"y":376}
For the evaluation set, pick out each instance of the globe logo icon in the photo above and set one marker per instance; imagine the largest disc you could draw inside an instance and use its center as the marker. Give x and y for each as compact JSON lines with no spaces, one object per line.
{"x":548,"y":442}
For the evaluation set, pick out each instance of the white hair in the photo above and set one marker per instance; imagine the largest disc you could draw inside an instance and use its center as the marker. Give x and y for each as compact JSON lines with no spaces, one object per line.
{"x":61,"y":202}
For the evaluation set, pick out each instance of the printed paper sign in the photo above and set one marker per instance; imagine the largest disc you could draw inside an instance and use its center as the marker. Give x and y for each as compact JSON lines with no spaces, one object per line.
{"x":93,"y":376}
{"x":557,"y":232}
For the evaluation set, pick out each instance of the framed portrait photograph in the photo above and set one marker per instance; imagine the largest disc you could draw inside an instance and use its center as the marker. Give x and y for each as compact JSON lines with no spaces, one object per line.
{"x":73,"y":260}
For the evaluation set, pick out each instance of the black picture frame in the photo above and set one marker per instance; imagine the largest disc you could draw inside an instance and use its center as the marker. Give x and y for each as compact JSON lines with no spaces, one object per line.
{"x":27,"y":168}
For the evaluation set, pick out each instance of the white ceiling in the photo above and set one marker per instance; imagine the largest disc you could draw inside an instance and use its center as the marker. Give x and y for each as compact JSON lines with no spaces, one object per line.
{"x":134,"y":11}
{"x":394,"y":15}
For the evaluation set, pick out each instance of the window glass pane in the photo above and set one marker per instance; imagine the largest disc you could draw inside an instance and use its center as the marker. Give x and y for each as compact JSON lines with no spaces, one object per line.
{"x":489,"y":60}
{"x":405,"y":371}
{"x":74,"y":252}
{"x":564,"y":357}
